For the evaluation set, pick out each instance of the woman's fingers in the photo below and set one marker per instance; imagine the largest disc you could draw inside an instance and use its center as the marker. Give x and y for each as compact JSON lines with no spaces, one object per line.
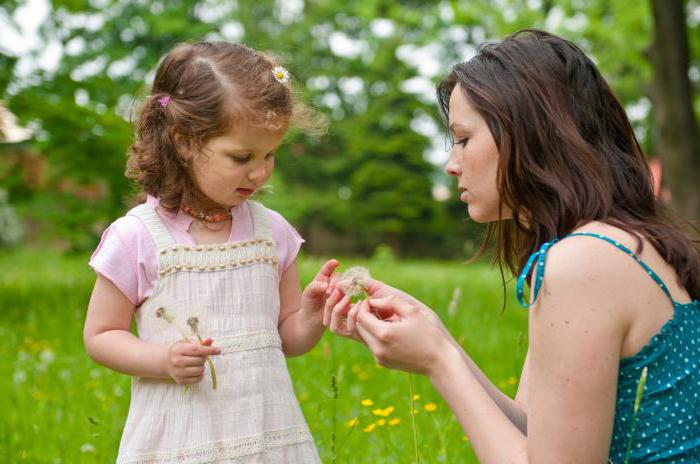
{"x":363,"y":328}
{"x":352,"y":318}
{"x":392,"y":304}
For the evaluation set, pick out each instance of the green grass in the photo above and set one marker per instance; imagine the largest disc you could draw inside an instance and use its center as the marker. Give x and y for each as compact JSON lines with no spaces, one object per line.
{"x":60,"y":407}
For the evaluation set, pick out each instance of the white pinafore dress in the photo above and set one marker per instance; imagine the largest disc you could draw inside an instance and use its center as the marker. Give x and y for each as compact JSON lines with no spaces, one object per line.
{"x":253,"y":416}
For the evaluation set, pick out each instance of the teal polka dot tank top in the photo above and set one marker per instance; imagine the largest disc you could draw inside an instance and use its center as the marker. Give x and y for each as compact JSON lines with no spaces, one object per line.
{"x":666,"y":428}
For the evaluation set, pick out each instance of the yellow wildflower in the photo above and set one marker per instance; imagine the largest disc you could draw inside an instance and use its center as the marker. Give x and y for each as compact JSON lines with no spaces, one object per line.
{"x":512,"y":380}
{"x":367,"y":402}
{"x":416,"y":397}
{"x":394,"y":421}
{"x":353,"y":422}
{"x":381,"y":422}
{"x":430,"y":407}
{"x":369,"y":428}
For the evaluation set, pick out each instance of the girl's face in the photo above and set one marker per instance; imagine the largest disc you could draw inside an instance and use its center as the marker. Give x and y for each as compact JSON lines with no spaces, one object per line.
{"x":236,"y":164}
{"x":474,"y":160}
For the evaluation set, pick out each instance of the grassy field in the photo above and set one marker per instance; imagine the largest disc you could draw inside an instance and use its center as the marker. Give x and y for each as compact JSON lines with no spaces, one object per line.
{"x":60,"y":407}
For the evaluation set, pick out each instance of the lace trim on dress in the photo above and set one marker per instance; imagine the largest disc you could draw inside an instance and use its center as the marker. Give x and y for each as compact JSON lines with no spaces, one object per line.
{"x":248,"y":342}
{"x":201,"y":258}
{"x":231,"y":449}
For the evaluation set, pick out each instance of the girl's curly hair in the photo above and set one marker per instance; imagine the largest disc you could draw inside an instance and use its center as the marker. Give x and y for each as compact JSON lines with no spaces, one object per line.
{"x":209,"y":87}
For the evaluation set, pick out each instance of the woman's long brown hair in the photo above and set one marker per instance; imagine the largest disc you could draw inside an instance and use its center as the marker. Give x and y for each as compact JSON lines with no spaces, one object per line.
{"x":568,"y":154}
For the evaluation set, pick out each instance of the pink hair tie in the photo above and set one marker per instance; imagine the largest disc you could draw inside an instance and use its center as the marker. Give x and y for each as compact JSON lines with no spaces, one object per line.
{"x":164,"y":100}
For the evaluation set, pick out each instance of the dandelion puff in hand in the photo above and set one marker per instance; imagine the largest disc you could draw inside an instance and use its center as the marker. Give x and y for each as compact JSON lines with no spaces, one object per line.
{"x":354,"y":281}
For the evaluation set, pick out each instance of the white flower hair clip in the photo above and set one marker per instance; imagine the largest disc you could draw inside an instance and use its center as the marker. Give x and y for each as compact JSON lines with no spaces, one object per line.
{"x":281,"y":74}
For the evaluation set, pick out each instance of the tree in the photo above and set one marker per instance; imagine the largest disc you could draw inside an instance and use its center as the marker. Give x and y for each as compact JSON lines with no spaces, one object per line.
{"x":678,"y":139}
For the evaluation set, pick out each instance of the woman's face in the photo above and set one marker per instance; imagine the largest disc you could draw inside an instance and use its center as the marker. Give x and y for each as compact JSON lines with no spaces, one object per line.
{"x":474,"y":160}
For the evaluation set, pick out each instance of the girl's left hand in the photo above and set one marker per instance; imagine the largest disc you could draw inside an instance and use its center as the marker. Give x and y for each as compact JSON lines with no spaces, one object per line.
{"x":313,"y":298}
{"x":409,"y":341}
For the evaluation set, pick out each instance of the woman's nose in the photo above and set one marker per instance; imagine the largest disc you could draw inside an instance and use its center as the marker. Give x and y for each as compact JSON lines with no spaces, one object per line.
{"x":452,"y":167}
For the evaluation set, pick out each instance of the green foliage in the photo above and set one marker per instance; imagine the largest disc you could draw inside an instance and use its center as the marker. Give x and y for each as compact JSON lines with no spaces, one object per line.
{"x":366,"y":182}
{"x":10,"y":225}
{"x":59,"y":406}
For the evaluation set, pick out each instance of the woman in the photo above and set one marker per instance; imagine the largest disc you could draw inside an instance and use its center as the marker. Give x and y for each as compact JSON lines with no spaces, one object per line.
{"x":545,"y":154}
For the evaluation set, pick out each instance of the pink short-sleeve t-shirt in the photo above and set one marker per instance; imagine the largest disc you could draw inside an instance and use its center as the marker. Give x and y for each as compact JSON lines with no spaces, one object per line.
{"x":127,"y":255}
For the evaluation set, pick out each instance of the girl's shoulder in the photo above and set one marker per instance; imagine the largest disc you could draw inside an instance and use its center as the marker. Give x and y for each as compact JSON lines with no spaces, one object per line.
{"x":279,"y":226}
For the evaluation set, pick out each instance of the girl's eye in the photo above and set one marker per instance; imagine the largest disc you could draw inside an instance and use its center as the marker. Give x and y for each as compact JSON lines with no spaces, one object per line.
{"x":270,"y":156}
{"x":240,"y":159}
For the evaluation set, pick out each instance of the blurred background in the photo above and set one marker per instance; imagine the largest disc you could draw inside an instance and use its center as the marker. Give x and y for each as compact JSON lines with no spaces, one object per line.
{"x":72,"y":74}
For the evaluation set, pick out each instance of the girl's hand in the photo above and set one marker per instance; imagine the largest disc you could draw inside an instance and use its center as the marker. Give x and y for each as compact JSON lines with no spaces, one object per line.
{"x":340,"y":315}
{"x":313,"y":298}
{"x":411,"y":338}
{"x":185,"y":360}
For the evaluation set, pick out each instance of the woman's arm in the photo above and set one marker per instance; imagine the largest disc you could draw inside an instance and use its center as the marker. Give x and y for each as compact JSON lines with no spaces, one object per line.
{"x":576,"y":331}
{"x":338,"y":308}
{"x":300,"y":320}
{"x":108,"y":341}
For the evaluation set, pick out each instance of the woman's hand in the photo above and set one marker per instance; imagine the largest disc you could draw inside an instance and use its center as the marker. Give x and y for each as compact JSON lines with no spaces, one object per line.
{"x":402,"y":333}
{"x":340,"y":315}
{"x":184,"y":361}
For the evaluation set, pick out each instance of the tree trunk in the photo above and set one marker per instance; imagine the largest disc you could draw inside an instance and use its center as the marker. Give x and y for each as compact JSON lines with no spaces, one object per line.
{"x":677,"y":139}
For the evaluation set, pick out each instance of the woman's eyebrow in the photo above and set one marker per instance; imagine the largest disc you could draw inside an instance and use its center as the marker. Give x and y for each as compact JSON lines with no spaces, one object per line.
{"x":455,"y":125}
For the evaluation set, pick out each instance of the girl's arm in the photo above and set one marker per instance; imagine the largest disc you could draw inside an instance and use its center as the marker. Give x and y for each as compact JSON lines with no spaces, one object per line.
{"x":577,"y":327}
{"x":108,"y":341}
{"x":300,"y":320}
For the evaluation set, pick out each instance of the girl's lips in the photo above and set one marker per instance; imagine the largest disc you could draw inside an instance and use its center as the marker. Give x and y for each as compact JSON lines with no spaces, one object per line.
{"x":245,"y":192}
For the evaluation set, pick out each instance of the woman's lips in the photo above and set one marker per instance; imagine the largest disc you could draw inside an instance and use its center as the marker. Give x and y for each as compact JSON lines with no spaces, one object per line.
{"x":245,"y":192}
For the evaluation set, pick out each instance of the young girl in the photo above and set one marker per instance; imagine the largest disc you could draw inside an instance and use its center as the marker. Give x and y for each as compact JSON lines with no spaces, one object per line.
{"x":199,"y":258}
{"x":544,"y":152}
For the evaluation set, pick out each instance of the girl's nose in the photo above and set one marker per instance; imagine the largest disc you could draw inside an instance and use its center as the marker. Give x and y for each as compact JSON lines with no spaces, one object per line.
{"x":258,"y":173}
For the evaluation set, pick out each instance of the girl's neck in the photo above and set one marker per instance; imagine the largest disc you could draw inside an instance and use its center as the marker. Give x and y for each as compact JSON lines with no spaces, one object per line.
{"x":199,"y":202}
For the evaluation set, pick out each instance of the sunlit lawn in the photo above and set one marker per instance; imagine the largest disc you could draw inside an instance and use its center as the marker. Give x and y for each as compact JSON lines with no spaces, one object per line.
{"x":60,"y":407}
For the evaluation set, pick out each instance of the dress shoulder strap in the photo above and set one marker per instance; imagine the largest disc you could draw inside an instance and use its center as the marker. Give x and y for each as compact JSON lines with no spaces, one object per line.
{"x":539,"y":258}
{"x":261,"y":220}
{"x":154,"y":224}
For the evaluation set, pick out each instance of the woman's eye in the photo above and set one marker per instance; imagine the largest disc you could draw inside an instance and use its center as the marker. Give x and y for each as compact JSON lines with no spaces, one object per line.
{"x":462,"y":142}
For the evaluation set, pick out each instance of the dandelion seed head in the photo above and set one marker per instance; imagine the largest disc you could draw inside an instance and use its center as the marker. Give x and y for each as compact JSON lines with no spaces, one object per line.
{"x":193,"y":322}
{"x":354,"y":281}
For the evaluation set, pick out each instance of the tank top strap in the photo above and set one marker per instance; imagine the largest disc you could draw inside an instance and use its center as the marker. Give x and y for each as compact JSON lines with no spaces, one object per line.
{"x":261,"y":220}
{"x":154,"y":225}
{"x":537,"y":259}
{"x":644,"y":265}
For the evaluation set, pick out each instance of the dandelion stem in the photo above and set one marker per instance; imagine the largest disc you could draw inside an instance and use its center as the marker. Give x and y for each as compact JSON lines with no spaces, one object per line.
{"x":193,"y":322}
{"x":413,"y":418}
{"x":637,"y":404}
